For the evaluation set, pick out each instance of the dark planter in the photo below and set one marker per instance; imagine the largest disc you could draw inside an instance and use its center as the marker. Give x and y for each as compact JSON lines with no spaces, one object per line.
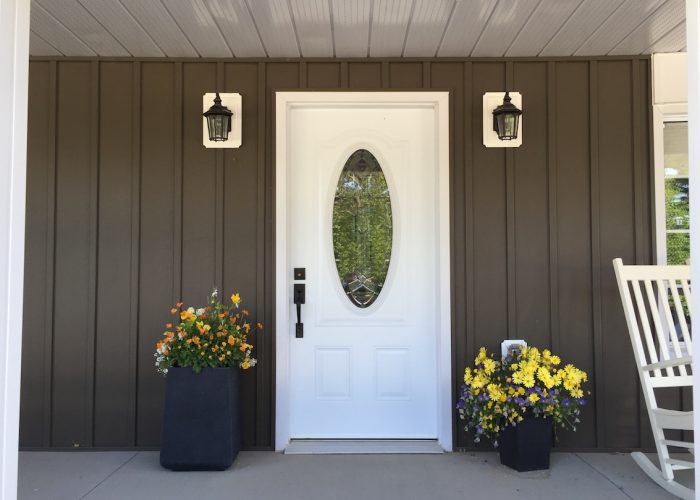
{"x":201,"y":423}
{"x":526,"y":446}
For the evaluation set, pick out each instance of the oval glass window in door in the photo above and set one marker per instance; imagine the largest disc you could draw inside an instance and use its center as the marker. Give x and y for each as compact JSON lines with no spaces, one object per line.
{"x":362,"y":228}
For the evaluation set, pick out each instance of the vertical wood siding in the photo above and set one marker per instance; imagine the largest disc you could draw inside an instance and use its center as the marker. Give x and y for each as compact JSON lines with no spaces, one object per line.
{"x":127,"y":213}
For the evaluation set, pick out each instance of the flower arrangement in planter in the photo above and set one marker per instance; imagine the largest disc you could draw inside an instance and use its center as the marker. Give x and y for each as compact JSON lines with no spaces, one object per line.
{"x":517,"y":400}
{"x":201,"y":353}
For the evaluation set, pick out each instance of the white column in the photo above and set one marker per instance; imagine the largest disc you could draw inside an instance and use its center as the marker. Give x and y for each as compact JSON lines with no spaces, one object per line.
{"x":692,"y":11}
{"x":14,"y":68}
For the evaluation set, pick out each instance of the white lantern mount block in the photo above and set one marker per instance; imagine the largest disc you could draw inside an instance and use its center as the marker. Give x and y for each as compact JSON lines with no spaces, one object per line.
{"x":491,"y":101}
{"x":233,"y":102}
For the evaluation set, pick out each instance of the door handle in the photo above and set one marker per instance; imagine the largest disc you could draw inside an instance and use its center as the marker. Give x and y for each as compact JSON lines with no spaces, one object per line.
{"x":299,"y":299}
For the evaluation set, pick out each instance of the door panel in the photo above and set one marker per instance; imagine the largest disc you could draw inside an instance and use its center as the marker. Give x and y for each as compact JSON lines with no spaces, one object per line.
{"x":364,"y":372}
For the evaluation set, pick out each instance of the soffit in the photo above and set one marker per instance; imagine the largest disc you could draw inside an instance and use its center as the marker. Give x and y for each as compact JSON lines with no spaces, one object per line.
{"x":355,"y":28}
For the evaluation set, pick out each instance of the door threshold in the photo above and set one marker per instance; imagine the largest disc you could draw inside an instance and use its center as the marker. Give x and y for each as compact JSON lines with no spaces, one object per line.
{"x":362,"y":446}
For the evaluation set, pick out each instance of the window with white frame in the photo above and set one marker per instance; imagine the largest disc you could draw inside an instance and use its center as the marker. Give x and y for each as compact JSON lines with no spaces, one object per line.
{"x":672,"y":203}
{"x":671,"y":193}
{"x":676,"y":206}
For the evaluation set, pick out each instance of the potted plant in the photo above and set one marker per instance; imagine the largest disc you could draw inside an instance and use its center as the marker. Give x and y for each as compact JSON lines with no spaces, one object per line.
{"x":201,"y":354}
{"x":516,"y":401}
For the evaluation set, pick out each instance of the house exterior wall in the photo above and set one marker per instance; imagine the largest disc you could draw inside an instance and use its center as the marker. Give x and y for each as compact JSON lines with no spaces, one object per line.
{"x":127,"y":213}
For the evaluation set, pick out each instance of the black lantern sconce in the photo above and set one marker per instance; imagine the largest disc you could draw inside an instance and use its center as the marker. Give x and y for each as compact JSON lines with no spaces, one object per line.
{"x":506,"y":120}
{"x":502,"y":121}
{"x":222,"y":124}
{"x":218,"y":121}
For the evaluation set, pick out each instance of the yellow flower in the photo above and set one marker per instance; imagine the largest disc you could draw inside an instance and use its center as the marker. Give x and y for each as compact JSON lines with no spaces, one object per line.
{"x":468,"y":376}
{"x":187,"y":315}
{"x":246,"y":364}
{"x":479,"y":381}
{"x":236,"y":299}
{"x":489,"y":366}
{"x":494,"y":392}
{"x":534,"y":397}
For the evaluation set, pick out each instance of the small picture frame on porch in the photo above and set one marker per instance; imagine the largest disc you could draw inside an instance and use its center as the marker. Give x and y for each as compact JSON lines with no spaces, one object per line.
{"x":512,"y":347}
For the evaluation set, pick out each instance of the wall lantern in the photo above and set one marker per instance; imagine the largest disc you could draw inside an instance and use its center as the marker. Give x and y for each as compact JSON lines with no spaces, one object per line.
{"x":219,"y":120}
{"x":221,"y":126}
{"x":502,"y":119}
{"x":506,"y":119}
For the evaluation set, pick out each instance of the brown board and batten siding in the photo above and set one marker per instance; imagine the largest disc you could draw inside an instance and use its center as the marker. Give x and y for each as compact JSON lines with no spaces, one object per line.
{"x":127,"y":213}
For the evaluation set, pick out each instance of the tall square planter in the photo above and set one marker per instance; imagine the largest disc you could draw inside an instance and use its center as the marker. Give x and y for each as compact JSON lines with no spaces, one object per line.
{"x":201,"y":422}
{"x":526,"y":447}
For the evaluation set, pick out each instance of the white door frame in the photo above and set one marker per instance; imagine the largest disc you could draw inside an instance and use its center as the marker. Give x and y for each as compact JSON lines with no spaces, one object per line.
{"x":285,"y":101}
{"x":14,"y":59}
{"x":692,"y":22}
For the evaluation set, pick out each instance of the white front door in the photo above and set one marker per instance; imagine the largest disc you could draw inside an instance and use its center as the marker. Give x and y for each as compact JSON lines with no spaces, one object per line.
{"x":363,"y":222}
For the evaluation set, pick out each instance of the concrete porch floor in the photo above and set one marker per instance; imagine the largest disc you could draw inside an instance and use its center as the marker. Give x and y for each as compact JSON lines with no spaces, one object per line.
{"x":268,"y":475}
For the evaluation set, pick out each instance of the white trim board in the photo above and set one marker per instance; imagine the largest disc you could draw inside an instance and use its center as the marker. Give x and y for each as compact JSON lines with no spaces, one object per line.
{"x":14,"y":58}
{"x":692,"y":16}
{"x":363,"y":446}
{"x":284,"y":101}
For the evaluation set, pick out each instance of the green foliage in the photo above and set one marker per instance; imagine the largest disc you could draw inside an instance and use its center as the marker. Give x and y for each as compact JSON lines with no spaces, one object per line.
{"x":677,"y":217}
{"x":362,"y":225}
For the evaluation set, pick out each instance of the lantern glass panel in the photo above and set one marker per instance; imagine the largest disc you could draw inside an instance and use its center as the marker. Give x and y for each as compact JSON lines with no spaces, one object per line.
{"x":218,"y":127}
{"x":507,"y":124}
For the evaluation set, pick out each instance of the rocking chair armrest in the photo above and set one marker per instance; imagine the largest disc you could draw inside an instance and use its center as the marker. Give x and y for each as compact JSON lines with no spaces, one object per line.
{"x":669,"y":363}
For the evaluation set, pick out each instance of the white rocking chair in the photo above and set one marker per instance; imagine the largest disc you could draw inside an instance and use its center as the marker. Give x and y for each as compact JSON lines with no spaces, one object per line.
{"x":663,"y":351}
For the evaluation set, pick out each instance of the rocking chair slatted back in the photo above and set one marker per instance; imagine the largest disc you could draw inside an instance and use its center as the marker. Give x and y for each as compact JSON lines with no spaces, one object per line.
{"x":656,"y":301}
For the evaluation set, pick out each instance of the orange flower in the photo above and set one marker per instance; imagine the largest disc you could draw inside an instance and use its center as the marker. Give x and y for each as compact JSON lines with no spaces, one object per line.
{"x":222,"y":315}
{"x":173,"y":310}
{"x":259,"y":326}
{"x":179,"y":304}
{"x":170,"y":335}
{"x":245,"y":312}
{"x":169,"y":326}
{"x":195,"y":339}
{"x":247,"y":328}
{"x":231,"y":340}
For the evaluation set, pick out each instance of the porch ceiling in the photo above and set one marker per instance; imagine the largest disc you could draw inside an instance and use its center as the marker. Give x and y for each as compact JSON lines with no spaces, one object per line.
{"x":355,"y":28}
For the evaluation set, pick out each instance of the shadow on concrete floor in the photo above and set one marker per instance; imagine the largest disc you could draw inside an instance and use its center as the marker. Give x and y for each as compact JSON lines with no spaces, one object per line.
{"x":268,"y":475}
